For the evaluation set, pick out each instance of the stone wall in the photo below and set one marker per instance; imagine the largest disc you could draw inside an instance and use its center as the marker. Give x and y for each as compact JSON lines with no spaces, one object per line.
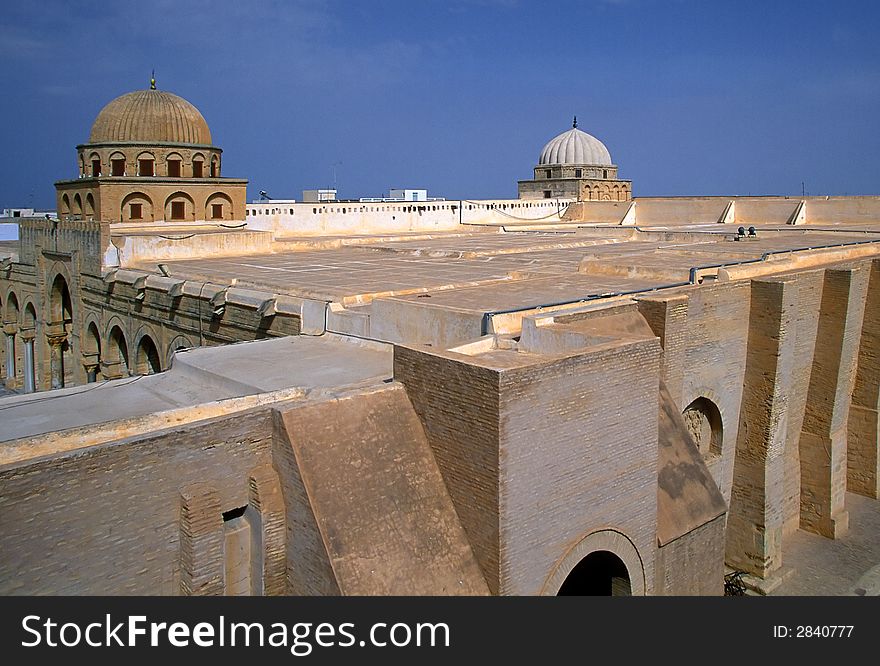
{"x":694,"y":563}
{"x":107,"y":519}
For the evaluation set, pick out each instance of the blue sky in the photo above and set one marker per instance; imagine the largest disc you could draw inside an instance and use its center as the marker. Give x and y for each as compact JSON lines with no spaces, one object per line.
{"x":459,"y":96}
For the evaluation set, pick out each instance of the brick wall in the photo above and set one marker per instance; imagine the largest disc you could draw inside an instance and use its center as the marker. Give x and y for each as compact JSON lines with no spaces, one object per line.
{"x":106,"y":520}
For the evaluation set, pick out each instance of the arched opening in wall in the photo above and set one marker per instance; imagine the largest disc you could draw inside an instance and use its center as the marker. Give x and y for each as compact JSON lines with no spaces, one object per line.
{"x":117,"y":164}
{"x":146,"y":164}
{"x":65,"y":205}
{"x":176,"y":345}
{"x":60,"y":322}
{"x":173,"y":165}
{"x":218,"y":207}
{"x":82,"y":166}
{"x":61,"y":307}
{"x":117,"y":353}
{"x":90,"y":206}
{"x":198,"y":165}
{"x":13,"y":342}
{"x":215,"y":167}
{"x":136,"y":207}
{"x":703,"y":421}
{"x":29,"y":328}
{"x":95,"y":160}
{"x":77,"y":205}
{"x":179,"y":207}
{"x":29,"y":321}
{"x":601,"y":573}
{"x":147,"y":360}
{"x":91,"y":350}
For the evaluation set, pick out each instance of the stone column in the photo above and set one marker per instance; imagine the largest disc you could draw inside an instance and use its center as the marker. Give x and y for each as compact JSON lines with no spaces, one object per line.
{"x":823,"y":440}
{"x":756,"y":516}
{"x":30,"y":371}
{"x":91,"y":373}
{"x":863,"y":452}
{"x":91,"y":364}
{"x":56,"y":362}
{"x":10,"y":330}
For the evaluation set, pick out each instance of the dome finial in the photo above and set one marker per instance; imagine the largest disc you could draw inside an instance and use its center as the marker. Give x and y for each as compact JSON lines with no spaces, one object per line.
{"x":574,"y":123}
{"x":153,"y":80}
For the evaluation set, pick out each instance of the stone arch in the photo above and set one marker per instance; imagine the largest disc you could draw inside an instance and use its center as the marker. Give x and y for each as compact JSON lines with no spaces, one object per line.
{"x":59,"y":317}
{"x":170,"y":168}
{"x":198,"y":165}
{"x":29,"y":318}
{"x":118,"y":163}
{"x":91,"y":349}
{"x":215,"y":166}
{"x":702,"y":417}
{"x":146,"y":163}
{"x":147,"y":361}
{"x":129,"y":209}
{"x":178,"y":343}
{"x":224,"y":202}
{"x":77,"y":204}
{"x":90,"y":206}
{"x":608,"y":541}
{"x":12,"y":312}
{"x":11,"y":315}
{"x":95,"y":166}
{"x":65,"y":205}
{"x":60,"y":303}
{"x":117,"y":352}
{"x":82,"y":165}
{"x":180,"y":206}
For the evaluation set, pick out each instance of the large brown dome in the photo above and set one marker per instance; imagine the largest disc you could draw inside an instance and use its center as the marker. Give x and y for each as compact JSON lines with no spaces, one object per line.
{"x":150,"y":116}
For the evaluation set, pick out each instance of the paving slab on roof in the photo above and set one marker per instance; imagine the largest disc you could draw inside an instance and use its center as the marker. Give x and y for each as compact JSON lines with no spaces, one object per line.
{"x":528,"y":293}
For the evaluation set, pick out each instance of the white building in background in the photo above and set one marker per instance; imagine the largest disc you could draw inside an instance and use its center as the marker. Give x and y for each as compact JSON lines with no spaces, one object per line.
{"x":396,"y":194}
{"x":314,"y":196}
{"x":27,"y":212}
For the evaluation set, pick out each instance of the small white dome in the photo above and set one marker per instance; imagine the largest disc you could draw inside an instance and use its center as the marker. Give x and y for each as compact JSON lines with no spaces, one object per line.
{"x":575,"y":147}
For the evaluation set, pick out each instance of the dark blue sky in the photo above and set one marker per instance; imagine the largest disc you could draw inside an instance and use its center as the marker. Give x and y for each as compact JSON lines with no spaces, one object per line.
{"x":459,"y":96}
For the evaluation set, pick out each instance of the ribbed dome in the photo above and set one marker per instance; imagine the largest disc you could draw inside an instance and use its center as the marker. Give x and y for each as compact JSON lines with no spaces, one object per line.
{"x":575,"y":147}
{"x":150,"y":116}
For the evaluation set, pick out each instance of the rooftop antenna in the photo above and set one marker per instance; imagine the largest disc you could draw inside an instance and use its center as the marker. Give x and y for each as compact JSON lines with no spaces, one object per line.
{"x":334,"y":173}
{"x":153,"y":79}
{"x":574,"y":123}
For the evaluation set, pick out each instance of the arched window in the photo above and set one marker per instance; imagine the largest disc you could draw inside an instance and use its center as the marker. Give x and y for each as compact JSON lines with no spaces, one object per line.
{"x":198,"y":165}
{"x":179,"y":206}
{"x":146,"y":164}
{"x":703,"y":421}
{"x":136,"y":207}
{"x":173,"y":165}
{"x":95,"y":160}
{"x":215,"y":167}
{"x":117,"y":164}
{"x":218,"y":207}
{"x":77,"y":205}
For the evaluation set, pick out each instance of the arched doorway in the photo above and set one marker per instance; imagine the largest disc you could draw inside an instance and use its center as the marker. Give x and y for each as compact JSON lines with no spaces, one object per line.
{"x":601,"y":573}
{"x":117,"y":356}
{"x":60,"y":321}
{"x":147,"y":361}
